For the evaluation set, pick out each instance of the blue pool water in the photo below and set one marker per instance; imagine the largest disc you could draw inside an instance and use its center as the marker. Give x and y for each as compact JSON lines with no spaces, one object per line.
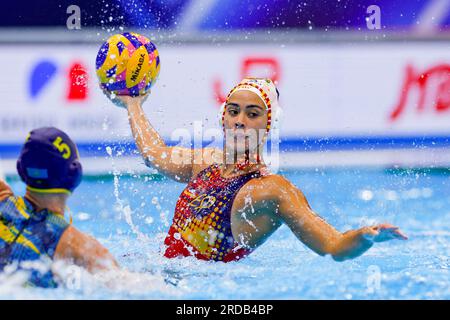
{"x":131,"y":214}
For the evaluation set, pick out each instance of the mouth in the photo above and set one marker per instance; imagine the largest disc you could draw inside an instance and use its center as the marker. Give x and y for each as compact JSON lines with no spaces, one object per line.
{"x":240,"y":134}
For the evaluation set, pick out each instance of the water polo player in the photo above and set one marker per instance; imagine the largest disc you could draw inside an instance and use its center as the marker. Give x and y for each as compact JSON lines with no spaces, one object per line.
{"x":229,"y":208}
{"x":33,"y":227}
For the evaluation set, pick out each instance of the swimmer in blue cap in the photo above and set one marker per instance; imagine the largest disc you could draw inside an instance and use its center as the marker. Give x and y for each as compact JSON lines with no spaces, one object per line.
{"x":229,"y":208}
{"x":33,"y":227}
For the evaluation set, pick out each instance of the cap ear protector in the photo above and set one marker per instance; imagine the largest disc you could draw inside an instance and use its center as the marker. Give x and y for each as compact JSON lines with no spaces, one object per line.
{"x":49,"y":162}
{"x":74,"y":175}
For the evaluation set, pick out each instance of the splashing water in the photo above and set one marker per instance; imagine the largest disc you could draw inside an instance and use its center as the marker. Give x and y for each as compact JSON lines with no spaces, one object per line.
{"x":120,"y":206}
{"x":282,"y":268}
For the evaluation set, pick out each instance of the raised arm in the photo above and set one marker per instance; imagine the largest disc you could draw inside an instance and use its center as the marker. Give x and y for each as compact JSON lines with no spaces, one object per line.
{"x":85,"y":251}
{"x":177,"y":163}
{"x":320,"y":236}
{"x":5,"y":190}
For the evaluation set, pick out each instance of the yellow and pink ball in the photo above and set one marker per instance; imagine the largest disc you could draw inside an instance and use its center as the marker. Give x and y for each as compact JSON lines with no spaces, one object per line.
{"x":127,"y":64}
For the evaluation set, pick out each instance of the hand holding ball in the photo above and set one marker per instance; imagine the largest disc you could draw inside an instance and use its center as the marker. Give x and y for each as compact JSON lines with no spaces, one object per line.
{"x":127,"y":64}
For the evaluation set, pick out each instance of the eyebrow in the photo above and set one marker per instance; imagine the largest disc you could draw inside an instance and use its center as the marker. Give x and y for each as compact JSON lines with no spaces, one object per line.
{"x":248,"y":106}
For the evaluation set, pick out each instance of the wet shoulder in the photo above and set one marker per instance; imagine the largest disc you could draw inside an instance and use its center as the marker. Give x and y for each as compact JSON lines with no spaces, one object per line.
{"x":269,"y":179}
{"x":265,"y":187}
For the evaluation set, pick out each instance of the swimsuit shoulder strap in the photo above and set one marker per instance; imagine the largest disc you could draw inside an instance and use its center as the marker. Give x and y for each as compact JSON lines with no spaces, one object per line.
{"x":265,"y":172}
{"x":205,"y":170}
{"x":14,"y":210}
{"x":262,"y":172}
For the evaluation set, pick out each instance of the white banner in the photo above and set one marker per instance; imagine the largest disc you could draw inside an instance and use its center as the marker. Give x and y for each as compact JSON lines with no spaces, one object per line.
{"x":361,"y":89}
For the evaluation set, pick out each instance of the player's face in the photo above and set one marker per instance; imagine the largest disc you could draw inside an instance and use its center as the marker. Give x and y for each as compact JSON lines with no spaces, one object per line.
{"x":245,"y":120}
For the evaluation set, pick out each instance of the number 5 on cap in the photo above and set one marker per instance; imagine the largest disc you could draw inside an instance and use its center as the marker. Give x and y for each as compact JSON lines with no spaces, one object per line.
{"x":62,"y":147}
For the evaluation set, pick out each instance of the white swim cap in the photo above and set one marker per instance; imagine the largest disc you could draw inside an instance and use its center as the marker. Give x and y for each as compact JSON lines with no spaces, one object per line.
{"x":266,"y":90}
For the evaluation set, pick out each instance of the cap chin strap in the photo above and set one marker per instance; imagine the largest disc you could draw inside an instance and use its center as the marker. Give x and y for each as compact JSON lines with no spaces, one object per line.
{"x":49,"y":191}
{"x":70,"y":215}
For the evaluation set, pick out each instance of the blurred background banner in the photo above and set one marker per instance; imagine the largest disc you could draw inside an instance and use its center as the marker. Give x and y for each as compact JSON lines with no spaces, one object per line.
{"x":366,"y":96}
{"x":213,"y":15}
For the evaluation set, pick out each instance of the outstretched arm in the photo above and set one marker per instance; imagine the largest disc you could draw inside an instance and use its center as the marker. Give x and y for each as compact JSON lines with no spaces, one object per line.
{"x":177,"y":163}
{"x":320,"y":236}
{"x":84,"y":251}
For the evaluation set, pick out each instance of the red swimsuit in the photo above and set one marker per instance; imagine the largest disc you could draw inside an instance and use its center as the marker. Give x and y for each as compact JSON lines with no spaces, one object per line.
{"x":202,"y":226}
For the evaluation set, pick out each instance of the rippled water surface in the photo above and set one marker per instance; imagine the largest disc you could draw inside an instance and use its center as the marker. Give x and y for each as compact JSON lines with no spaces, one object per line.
{"x":131,"y":214}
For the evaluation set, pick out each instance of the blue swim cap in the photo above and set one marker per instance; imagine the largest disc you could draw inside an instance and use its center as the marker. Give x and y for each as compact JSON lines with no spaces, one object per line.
{"x":49,"y":162}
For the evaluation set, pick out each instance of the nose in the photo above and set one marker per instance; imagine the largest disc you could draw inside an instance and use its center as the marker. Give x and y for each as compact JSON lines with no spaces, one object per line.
{"x":239,"y":124}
